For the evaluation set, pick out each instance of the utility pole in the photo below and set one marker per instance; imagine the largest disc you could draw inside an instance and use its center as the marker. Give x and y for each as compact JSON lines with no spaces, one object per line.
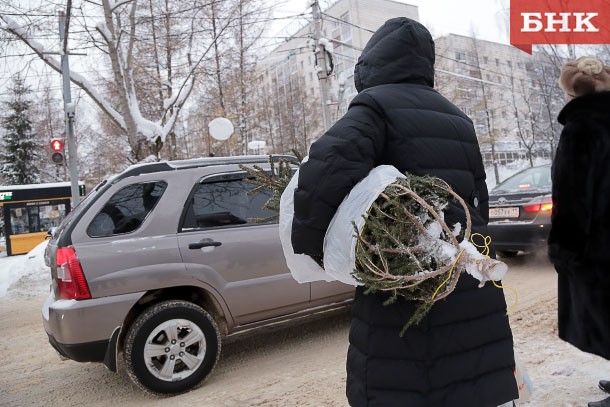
{"x":69,"y":111}
{"x":321,"y":63}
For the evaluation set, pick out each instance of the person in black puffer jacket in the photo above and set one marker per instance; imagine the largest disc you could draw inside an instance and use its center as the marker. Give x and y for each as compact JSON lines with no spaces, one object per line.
{"x":461,"y":354}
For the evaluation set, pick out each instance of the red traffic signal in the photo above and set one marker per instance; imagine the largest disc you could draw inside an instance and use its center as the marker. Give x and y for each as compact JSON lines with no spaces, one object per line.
{"x":57,"y":145}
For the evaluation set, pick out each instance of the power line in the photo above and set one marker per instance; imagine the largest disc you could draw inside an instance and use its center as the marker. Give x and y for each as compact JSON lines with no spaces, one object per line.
{"x":347,"y":22}
{"x":16,"y":55}
{"x":27,"y":14}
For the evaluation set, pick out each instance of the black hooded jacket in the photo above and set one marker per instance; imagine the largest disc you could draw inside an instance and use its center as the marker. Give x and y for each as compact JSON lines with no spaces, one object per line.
{"x":461,"y":353}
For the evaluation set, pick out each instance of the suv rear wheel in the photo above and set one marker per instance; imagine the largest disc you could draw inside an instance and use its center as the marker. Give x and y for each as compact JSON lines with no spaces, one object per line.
{"x":171,"y":347}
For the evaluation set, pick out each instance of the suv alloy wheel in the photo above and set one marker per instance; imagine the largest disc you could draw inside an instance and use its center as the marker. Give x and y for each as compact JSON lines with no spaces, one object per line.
{"x":171,"y":347}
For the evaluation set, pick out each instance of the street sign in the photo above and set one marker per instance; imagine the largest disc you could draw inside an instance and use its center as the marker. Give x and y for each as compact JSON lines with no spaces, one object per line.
{"x":57,"y":145}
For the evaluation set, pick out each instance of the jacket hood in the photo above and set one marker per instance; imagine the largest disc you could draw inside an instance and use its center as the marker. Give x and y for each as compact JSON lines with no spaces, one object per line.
{"x":400,"y":51}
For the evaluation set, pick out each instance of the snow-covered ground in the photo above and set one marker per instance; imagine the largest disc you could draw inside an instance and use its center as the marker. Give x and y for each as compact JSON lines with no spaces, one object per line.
{"x":24,"y":275}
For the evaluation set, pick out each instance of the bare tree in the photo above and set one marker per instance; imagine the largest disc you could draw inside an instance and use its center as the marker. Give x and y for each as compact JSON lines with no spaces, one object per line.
{"x":124,"y":39}
{"x":548,"y":96}
{"x":234,"y":65}
{"x":461,"y":80}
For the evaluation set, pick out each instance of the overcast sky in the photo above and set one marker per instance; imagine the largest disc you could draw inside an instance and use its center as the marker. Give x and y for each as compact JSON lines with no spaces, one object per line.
{"x":440,"y":16}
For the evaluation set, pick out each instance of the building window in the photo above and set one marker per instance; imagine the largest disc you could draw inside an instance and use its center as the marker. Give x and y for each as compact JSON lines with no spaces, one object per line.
{"x":497,"y":62}
{"x":485,"y":60}
{"x":460,"y":56}
{"x":510,"y":64}
{"x":310,"y":76}
{"x":346,"y":29}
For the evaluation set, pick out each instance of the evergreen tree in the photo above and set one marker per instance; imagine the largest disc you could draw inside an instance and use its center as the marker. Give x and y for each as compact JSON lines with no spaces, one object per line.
{"x":20,"y":150}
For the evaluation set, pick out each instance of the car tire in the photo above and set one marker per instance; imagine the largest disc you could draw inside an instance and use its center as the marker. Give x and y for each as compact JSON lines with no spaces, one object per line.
{"x":171,"y":347}
{"x":508,"y":253}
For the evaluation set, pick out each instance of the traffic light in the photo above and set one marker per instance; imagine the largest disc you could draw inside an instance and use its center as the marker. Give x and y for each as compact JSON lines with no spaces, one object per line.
{"x":57,"y":146}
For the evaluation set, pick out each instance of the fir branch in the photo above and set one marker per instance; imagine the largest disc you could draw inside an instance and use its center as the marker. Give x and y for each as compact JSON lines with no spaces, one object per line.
{"x":274,"y":181}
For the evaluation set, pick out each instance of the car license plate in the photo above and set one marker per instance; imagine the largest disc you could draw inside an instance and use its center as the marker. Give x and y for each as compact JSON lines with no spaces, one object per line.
{"x":512,"y":212}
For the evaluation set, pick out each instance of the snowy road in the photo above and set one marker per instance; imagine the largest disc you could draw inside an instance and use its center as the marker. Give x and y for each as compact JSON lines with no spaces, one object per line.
{"x":295,"y":364}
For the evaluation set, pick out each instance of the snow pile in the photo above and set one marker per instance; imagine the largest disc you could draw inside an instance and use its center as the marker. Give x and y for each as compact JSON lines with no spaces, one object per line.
{"x":25,"y":275}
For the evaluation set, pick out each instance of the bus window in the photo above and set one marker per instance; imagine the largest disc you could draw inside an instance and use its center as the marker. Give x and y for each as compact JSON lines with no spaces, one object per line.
{"x":36,"y":218}
{"x":50,"y":216}
{"x":20,"y":221}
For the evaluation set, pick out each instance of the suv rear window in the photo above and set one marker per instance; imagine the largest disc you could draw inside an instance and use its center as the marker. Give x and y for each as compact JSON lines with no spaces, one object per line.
{"x":126,"y":209}
{"x":224,"y":203}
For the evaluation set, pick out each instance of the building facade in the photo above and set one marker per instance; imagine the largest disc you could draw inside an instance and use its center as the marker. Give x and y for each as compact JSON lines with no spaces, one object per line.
{"x":512,"y":97}
{"x":291,"y":109}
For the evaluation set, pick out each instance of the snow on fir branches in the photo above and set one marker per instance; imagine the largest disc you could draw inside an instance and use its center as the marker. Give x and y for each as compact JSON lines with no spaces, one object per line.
{"x":404,"y":249}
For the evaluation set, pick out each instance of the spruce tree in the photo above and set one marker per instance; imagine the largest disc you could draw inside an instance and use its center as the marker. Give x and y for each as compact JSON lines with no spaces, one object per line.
{"x":20,"y":150}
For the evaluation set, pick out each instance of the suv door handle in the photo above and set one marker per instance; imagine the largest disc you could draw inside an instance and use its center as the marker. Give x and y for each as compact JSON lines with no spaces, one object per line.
{"x":204,"y":243}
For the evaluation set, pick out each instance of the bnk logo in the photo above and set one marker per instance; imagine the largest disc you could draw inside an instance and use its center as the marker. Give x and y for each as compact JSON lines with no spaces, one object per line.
{"x":559,"y":22}
{"x":564,"y":22}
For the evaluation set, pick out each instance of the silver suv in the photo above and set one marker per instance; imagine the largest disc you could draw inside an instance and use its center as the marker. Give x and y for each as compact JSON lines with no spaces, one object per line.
{"x":160,"y":262}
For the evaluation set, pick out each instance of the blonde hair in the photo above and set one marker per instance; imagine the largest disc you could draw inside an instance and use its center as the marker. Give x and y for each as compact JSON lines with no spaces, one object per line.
{"x":583,"y":76}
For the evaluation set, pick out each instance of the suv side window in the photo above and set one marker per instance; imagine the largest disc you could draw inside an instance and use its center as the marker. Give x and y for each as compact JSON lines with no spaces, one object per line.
{"x":224,"y":203}
{"x":126,"y":209}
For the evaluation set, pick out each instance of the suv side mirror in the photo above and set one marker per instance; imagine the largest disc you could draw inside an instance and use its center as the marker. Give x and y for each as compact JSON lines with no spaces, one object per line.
{"x":50,"y":233}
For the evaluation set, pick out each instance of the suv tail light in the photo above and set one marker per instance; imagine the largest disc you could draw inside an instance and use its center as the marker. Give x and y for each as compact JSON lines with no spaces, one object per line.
{"x":71,"y":280}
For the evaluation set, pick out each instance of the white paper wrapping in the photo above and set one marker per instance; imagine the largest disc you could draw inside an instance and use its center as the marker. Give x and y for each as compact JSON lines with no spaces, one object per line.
{"x":302,"y":267}
{"x":340,"y":240}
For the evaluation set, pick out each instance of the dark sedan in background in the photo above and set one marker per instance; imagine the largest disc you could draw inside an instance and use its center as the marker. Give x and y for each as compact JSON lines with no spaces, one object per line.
{"x":520,"y":211}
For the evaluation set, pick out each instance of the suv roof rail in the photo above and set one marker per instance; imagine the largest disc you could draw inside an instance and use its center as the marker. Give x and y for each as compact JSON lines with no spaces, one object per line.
{"x":241,"y":159}
{"x":148,"y":168}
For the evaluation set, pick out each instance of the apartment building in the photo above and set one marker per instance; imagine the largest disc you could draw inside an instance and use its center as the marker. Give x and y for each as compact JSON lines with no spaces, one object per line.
{"x":512,"y":97}
{"x":289,"y":83}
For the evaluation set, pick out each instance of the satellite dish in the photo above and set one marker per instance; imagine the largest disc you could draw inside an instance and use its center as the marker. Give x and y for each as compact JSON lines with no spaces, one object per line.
{"x":256,"y":145}
{"x":221,"y":128}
